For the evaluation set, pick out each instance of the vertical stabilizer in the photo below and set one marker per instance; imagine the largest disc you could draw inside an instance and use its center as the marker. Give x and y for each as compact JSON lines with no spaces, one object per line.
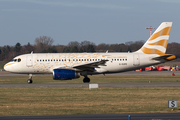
{"x":157,"y":43}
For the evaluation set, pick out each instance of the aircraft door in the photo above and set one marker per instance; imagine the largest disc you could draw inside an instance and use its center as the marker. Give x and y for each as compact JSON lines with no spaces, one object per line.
{"x":29,"y":60}
{"x":136,"y":61}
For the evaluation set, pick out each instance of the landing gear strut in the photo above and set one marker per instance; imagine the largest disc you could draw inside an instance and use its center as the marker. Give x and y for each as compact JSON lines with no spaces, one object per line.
{"x":29,"y":81}
{"x":86,"y":79}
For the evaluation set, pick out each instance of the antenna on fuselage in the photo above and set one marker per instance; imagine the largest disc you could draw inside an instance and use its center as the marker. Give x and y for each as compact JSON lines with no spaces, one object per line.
{"x":107,"y":51}
{"x":32,"y":52}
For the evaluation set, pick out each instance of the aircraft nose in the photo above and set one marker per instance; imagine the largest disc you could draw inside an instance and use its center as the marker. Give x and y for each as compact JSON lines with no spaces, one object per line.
{"x":7,"y":67}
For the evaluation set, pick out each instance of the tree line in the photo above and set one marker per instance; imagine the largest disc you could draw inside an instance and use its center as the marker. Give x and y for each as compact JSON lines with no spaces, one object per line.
{"x":44,"y":44}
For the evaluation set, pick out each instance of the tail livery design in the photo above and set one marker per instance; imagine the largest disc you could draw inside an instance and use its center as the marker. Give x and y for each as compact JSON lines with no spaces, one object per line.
{"x":157,"y":43}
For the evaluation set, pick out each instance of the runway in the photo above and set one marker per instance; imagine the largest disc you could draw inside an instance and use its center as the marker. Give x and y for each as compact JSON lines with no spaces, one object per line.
{"x":101,"y":85}
{"x":86,"y":85}
{"x":139,"y":116}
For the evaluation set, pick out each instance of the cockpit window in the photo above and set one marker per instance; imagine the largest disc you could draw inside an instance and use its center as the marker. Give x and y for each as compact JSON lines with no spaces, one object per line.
{"x":16,"y":60}
{"x":19,"y":60}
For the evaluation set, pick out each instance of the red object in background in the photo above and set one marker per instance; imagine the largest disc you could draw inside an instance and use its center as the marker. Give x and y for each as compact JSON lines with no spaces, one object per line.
{"x":161,"y":68}
{"x":142,"y":69}
{"x":148,"y":68}
{"x":177,"y":67}
{"x":168,"y":68}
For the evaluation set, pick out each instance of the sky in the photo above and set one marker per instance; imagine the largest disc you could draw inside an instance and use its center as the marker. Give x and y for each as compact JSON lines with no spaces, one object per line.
{"x":97,"y":21}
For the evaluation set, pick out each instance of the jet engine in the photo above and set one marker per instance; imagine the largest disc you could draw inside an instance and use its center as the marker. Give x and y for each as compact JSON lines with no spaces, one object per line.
{"x":65,"y":74}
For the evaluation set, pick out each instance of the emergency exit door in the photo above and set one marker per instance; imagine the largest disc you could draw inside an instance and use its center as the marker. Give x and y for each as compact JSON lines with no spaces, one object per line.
{"x":136,"y":61}
{"x":29,"y":61}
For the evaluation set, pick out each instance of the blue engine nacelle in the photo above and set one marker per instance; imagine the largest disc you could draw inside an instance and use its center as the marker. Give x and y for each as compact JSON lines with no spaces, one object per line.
{"x":65,"y":74}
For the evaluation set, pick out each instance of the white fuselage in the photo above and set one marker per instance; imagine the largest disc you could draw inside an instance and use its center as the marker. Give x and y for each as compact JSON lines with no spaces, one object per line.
{"x":42,"y":63}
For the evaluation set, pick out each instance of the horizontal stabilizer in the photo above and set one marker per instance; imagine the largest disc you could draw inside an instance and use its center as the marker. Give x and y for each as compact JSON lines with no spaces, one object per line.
{"x":166,"y":57}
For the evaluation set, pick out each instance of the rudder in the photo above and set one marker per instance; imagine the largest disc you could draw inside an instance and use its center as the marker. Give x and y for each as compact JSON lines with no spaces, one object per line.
{"x":157,"y":43}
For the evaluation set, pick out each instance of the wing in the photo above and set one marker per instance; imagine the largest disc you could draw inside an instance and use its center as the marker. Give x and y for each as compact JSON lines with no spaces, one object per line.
{"x":90,"y":66}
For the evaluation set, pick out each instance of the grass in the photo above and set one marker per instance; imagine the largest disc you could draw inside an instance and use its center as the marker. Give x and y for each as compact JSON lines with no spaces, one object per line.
{"x":2,"y":64}
{"x":96,"y":79}
{"x":61,"y":101}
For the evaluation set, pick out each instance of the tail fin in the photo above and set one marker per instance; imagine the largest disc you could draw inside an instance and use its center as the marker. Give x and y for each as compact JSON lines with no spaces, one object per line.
{"x":157,"y":43}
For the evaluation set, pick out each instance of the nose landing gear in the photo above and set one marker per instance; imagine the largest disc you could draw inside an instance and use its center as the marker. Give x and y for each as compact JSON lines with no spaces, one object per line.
{"x":29,"y":81}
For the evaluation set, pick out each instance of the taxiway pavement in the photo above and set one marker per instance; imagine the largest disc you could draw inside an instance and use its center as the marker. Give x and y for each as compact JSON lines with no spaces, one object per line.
{"x":139,"y":116}
{"x":131,"y":84}
{"x":86,"y":85}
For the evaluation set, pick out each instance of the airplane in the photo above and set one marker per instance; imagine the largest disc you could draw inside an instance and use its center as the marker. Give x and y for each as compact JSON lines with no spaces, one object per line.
{"x":67,"y":66}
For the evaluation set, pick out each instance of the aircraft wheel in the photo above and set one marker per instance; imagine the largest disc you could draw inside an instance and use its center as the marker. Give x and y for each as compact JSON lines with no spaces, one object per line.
{"x":86,"y":80}
{"x":29,"y":81}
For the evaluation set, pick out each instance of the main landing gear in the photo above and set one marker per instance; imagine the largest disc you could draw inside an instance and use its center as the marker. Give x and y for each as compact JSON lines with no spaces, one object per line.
{"x":86,"y":79}
{"x":29,"y":81}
